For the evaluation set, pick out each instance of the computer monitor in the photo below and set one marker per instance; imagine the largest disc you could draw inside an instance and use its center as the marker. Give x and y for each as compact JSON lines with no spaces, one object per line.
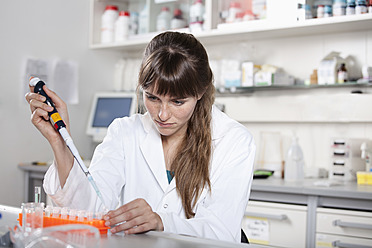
{"x":105,"y":108}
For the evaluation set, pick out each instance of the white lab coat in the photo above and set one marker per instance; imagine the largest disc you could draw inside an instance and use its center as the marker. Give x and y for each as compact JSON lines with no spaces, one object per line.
{"x":130,"y":164}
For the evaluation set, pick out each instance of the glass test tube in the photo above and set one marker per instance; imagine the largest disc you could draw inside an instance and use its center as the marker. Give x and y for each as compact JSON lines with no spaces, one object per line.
{"x":56,"y":212}
{"x":81,"y":215}
{"x":37,"y":194}
{"x":72,"y":214}
{"x":99,"y":215}
{"x":48,"y":210}
{"x":89,"y":215}
{"x":64,"y":213}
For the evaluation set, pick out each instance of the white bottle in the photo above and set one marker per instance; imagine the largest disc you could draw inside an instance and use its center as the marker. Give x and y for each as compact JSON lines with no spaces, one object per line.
{"x":234,"y":11}
{"x":177,"y":21}
{"x":108,"y":23}
{"x":143,"y":21}
{"x":163,"y":20}
{"x":197,"y":12}
{"x":122,"y":26}
{"x":339,"y":7}
{"x":133,"y":26}
{"x":294,"y":163}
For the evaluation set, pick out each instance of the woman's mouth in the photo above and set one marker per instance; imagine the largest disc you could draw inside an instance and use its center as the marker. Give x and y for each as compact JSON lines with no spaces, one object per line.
{"x":163,"y":124}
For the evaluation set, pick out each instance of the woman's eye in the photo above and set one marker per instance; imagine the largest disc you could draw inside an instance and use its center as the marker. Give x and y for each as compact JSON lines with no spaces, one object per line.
{"x":178,"y":102}
{"x":152,"y":98}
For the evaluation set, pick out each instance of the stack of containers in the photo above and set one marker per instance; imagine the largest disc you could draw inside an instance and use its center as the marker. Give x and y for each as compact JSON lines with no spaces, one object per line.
{"x":346,"y":159}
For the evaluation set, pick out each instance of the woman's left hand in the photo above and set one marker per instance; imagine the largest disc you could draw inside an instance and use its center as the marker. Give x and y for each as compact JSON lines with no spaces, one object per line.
{"x":134,"y":217}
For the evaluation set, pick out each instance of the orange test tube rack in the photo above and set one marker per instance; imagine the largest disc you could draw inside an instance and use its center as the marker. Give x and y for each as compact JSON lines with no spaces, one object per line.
{"x":55,"y":221}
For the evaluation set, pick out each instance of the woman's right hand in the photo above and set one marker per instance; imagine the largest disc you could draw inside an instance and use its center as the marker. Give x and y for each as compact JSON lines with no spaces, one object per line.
{"x":62,"y":156}
{"x":40,"y":117}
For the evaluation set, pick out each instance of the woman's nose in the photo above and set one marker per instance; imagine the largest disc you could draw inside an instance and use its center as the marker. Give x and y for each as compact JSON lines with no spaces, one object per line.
{"x":164,"y":113}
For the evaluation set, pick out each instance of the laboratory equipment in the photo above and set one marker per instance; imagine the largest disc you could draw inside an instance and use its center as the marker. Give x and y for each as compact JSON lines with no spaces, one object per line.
{"x":294,"y":162}
{"x":31,"y":218}
{"x":366,"y":153}
{"x":65,"y":236}
{"x":37,"y":194}
{"x":60,"y":126}
{"x":346,"y":158}
{"x":60,"y":216}
{"x":105,"y":108}
{"x":108,"y":19}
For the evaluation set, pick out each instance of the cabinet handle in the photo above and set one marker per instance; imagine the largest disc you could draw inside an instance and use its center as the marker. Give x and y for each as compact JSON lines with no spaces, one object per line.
{"x":340,"y":244}
{"x":352,"y":224}
{"x":267,"y":216}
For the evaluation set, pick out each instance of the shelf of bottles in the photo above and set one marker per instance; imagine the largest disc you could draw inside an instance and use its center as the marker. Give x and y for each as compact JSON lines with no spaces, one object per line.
{"x":356,"y":86}
{"x":224,"y":20}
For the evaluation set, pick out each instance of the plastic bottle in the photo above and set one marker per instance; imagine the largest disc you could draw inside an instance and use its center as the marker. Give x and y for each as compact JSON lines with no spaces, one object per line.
{"x":342,"y":76}
{"x":339,"y":7}
{"x":163,"y":20}
{"x":361,"y":7}
{"x":350,"y":7}
{"x":327,"y":11}
{"x":122,"y":26}
{"x":370,"y":7}
{"x":108,"y":23}
{"x":234,"y":11}
{"x":197,"y":12}
{"x":133,"y":26}
{"x":143,"y":21}
{"x":294,"y":163}
{"x":177,"y":21}
{"x":320,"y":11}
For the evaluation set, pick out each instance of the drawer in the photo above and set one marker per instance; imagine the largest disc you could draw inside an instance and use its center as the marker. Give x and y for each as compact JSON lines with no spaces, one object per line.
{"x":275,"y":224}
{"x":329,"y":240}
{"x":344,"y":222}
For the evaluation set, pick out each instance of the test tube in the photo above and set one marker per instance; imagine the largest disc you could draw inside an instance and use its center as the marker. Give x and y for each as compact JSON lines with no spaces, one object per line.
{"x":99,"y":215}
{"x":89,"y":215}
{"x":37,"y":194}
{"x":48,"y":210}
{"x":81,"y":215}
{"x":64,"y":212}
{"x":56,"y":212}
{"x":72,"y":214}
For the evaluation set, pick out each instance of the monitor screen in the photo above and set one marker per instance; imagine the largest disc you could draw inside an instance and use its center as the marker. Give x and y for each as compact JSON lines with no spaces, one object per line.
{"x":107,"y":109}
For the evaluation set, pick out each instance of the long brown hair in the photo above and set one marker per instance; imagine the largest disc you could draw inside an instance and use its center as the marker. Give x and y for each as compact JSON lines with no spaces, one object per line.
{"x":177,"y":64}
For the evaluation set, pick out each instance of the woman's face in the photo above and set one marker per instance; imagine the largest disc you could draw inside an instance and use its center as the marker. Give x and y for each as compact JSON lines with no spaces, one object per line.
{"x":169,"y":114}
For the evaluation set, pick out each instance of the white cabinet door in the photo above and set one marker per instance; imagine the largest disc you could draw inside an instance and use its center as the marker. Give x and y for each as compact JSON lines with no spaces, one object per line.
{"x":275,"y":224}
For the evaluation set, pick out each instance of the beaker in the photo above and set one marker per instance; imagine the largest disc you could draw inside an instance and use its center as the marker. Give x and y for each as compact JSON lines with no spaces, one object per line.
{"x":32,"y":216}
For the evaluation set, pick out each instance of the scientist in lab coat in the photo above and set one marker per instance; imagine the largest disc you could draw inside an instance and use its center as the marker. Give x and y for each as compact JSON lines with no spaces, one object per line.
{"x":183,"y":167}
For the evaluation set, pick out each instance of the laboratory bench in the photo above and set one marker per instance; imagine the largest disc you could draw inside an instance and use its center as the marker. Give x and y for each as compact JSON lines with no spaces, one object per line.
{"x":303,"y":201}
{"x":310,"y":202}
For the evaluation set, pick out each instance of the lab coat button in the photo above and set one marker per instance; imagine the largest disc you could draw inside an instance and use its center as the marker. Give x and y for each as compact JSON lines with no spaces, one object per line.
{"x":165,"y":205}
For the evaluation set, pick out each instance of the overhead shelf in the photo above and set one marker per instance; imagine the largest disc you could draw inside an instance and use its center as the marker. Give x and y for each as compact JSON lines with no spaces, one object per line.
{"x":248,"y":90}
{"x":258,"y":29}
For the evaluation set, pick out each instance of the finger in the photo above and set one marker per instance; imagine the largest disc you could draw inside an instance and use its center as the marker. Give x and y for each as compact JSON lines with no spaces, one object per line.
{"x":138,"y":221}
{"x":29,"y":96}
{"x":38,"y":114}
{"x":125,"y":216}
{"x":36,"y":103}
{"x":124,"y":208}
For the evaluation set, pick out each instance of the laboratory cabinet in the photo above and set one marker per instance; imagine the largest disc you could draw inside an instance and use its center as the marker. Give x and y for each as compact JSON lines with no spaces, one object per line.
{"x":343,"y":228}
{"x":275,"y":224}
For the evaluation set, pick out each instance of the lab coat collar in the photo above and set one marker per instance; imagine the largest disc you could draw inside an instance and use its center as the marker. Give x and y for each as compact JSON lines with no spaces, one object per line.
{"x":152,"y":150}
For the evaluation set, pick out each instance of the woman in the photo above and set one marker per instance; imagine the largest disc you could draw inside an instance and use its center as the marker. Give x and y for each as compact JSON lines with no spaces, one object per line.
{"x":183,"y":167}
